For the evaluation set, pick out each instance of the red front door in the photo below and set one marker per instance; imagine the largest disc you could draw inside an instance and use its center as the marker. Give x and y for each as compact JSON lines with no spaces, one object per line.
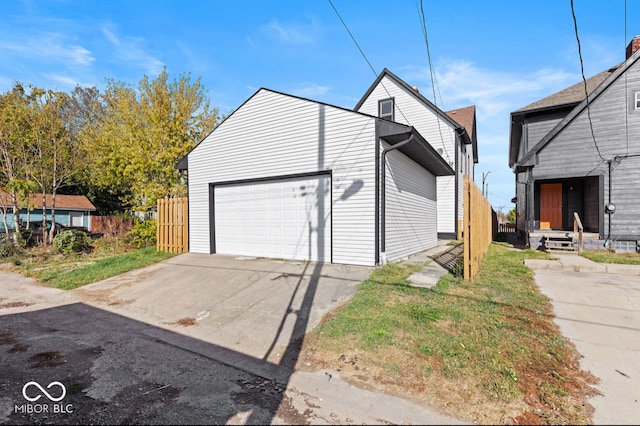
{"x":551,"y":206}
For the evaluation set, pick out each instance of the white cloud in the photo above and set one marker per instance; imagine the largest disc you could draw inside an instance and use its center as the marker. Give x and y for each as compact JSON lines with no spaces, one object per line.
{"x":495,"y":94}
{"x":51,"y":46}
{"x":65,"y":81}
{"x":131,"y":50}
{"x":290,"y":33}
{"x":310,"y":90}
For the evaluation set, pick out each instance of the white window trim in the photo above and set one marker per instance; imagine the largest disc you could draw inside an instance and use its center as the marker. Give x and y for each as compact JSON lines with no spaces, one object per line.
{"x":391,"y":115}
{"x":636,"y":102}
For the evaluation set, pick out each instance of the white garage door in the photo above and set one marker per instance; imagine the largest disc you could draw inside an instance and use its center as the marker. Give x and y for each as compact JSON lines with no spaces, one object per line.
{"x":285,"y":218}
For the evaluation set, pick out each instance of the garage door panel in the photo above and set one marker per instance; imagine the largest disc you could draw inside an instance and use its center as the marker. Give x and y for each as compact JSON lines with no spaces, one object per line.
{"x":278,"y":218}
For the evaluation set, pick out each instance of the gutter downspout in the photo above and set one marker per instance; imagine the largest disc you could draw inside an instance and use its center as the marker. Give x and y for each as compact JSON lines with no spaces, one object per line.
{"x":608,"y":240}
{"x":383,"y":235}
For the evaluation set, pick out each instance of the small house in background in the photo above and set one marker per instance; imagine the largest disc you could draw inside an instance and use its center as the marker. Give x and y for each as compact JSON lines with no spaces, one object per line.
{"x":72,"y":211}
{"x":578,"y":156}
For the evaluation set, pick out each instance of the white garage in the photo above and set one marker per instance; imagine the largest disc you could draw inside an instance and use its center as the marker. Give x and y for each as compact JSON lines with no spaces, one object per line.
{"x":288,"y":218}
{"x":289,"y":178}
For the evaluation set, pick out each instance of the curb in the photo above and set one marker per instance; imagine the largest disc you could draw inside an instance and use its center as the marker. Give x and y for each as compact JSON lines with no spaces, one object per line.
{"x":590,"y":267}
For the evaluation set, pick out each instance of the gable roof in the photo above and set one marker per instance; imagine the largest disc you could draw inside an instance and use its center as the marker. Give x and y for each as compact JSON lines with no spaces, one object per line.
{"x":63,"y":201}
{"x":413,"y":92}
{"x":592,"y":97}
{"x":467,"y":118}
{"x":571,"y":95}
{"x":423,"y":154}
{"x":467,"y":114}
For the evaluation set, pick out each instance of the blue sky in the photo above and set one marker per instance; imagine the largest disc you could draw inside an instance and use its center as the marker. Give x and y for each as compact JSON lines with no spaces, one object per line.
{"x":498,"y":55}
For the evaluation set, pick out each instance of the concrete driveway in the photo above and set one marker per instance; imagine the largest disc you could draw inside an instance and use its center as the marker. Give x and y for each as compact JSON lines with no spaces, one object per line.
{"x":194,"y":339}
{"x":598,"y":309}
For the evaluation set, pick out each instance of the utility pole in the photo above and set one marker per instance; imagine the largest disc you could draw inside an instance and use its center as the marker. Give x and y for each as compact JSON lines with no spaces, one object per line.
{"x":484,"y":176}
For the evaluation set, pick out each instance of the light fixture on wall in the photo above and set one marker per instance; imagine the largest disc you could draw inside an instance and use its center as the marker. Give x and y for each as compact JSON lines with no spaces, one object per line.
{"x":609,"y":208}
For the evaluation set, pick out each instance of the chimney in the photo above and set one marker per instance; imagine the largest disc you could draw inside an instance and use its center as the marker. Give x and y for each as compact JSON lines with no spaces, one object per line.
{"x":415,"y":88}
{"x":633,"y":46}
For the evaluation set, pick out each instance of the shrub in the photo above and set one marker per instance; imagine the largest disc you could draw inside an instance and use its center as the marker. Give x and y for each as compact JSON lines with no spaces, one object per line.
{"x":143,"y":233}
{"x":73,"y":241}
{"x":26,"y":238}
{"x":8,"y":249}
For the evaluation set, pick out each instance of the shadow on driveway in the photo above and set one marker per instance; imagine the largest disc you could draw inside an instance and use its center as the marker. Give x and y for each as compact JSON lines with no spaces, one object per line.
{"x":196,"y":339}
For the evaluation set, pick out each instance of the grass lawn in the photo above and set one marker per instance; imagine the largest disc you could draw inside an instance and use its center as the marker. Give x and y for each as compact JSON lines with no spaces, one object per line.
{"x":603,"y":256}
{"x":486,"y":351}
{"x":109,"y":257}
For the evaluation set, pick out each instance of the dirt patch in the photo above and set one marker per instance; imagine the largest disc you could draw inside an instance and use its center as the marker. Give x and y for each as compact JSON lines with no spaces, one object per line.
{"x":14,"y":305}
{"x":184,"y":322}
{"x":552,"y":389}
{"x":47,"y":359}
{"x":8,"y":338}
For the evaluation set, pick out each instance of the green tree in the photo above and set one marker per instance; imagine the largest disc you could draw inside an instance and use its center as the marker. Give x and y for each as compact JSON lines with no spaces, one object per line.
{"x":511,"y":216}
{"x":14,"y":131}
{"x":143,"y":133}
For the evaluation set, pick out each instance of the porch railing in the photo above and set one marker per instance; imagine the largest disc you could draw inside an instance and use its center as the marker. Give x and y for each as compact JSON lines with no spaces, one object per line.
{"x":578,"y":229}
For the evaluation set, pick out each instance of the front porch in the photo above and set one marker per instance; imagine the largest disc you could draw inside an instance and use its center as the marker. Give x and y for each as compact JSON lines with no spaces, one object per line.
{"x":563,"y":241}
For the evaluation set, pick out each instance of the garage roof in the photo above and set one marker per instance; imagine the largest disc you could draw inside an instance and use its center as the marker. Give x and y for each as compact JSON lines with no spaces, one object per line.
{"x":419,"y":150}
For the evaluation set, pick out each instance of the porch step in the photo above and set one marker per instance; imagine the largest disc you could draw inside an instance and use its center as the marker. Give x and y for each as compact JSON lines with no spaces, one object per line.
{"x":560,"y":243}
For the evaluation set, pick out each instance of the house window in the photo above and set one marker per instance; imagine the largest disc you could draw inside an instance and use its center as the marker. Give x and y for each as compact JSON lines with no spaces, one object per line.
{"x":385,"y":109}
{"x":636,"y":101}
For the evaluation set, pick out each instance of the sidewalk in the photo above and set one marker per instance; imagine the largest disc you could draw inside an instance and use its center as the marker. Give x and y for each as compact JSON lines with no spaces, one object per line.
{"x":597,"y":307}
{"x":575,"y":263}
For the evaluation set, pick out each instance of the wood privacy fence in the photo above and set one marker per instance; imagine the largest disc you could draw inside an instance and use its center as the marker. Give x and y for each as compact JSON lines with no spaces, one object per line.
{"x":479,"y":225}
{"x":172,"y":232}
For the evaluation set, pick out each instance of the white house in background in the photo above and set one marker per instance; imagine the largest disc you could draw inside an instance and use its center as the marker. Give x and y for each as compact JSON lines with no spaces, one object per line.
{"x":287,"y":177}
{"x":452,"y":134}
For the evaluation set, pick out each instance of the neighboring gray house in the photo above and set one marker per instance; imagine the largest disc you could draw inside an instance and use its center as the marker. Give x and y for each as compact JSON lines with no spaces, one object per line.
{"x":287,"y":177}
{"x":452,"y":134}
{"x":569,"y":158}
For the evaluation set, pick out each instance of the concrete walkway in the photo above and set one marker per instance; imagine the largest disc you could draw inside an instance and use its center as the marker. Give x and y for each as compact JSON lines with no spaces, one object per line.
{"x":597,"y":307}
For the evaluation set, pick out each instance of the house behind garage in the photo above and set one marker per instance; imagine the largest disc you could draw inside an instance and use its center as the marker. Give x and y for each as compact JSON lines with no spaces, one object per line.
{"x":287,"y":177}
{"x":452,"y":134}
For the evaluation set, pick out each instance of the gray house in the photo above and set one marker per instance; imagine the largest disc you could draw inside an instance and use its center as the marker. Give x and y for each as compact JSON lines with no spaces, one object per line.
{"x":574,"y":154}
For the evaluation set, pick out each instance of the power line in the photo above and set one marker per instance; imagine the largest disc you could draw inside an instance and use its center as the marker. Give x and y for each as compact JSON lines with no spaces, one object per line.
{"x":584,"y":80}
{"x":353,"y":38}
{"x":626,"y":116}
{"x":434,"y":82}
{"x":381,"y":82}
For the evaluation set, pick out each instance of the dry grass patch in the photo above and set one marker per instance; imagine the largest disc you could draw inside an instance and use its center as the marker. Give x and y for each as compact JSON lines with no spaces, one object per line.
{"x":487,"y":352}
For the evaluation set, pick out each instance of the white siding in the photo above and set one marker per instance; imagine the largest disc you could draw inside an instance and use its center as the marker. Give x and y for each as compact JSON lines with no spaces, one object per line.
{"x":276,"y":135}
{"x":446,"y":203}
{"x":283,"y":218}
{"x":411,"y":215}
{"x":439,"y":134}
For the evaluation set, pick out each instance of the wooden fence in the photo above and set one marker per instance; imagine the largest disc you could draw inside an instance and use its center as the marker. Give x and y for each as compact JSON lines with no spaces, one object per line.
{"x":172,"y":232}
{"x":479,"y":226}
{"x":506,"y":227}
